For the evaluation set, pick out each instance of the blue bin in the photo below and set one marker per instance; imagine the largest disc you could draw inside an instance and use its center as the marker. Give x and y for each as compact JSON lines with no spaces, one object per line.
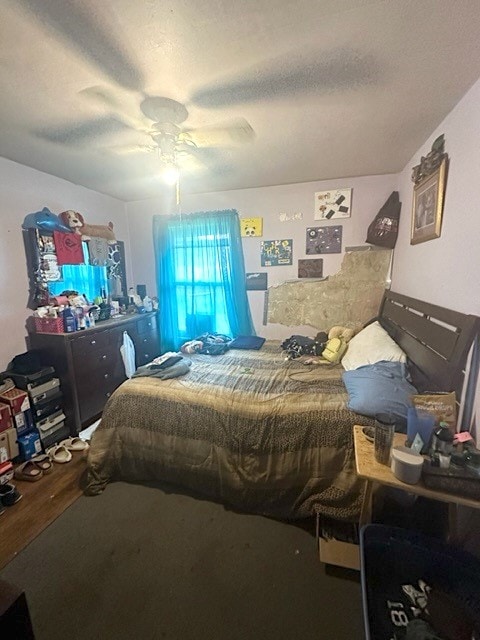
{"x":402,"y":571}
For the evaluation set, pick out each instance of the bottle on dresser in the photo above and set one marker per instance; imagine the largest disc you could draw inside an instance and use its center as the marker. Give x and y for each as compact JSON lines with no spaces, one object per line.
{"x":69,"y":320}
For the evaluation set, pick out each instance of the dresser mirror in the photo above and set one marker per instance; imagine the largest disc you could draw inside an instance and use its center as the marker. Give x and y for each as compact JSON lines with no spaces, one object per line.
{"x":48,"y":279}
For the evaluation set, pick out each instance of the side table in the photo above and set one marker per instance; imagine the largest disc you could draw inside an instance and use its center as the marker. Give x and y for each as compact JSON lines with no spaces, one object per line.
{"x":375,"y":473}
{"x":346,"y":554}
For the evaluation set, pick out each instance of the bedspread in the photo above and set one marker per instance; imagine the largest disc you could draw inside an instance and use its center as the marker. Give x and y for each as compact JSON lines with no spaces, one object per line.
{"x":247,"y":428}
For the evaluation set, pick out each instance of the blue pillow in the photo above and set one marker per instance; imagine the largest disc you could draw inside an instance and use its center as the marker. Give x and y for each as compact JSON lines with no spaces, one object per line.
{"x":382,"y":387}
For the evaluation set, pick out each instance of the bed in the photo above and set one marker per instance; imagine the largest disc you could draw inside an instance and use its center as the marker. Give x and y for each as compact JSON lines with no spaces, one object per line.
{"x":262,"y":434}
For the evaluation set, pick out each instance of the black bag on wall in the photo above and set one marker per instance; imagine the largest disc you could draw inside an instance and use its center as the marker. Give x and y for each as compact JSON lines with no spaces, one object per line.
{"x":383,"y":231}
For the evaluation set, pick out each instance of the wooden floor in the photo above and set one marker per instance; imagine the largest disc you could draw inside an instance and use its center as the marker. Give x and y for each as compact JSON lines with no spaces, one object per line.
{"x":42,"y":503}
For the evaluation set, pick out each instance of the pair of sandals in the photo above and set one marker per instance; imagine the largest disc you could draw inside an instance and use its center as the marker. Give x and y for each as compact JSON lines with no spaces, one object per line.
{"x":34,"y":469}
{"x":40,"y":465}
{"x":9,"y":495}
{"x":62,"y":452}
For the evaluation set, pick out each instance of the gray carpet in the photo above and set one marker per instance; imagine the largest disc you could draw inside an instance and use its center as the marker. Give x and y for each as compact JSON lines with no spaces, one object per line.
{"x":137,"y":562}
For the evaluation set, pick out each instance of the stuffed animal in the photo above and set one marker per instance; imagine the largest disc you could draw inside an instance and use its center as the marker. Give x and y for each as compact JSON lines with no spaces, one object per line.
{"x":45,"y":220}
{"x":341,"y":332}
{"x":336,"y":346}
{"x":338,"y":338}
{"x":77,"y":224}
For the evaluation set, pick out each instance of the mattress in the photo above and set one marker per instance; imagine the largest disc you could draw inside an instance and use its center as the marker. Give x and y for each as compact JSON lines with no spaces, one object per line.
{"x":247,"y":428}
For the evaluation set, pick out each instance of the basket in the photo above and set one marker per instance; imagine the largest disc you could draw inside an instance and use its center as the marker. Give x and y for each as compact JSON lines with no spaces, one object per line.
{"x":48,"y":325}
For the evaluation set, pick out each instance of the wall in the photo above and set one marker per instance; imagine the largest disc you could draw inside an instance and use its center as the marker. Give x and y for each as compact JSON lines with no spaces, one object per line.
{"x":444,"y":270}
{"x":369,"y":194}
{"x":24,"y":190}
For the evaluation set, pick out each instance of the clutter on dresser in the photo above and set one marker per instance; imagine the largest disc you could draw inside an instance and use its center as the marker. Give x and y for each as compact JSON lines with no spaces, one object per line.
{"x":65,"y":252}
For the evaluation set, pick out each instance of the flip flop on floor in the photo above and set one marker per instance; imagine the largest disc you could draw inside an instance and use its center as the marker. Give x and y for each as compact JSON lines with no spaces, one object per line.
{"x":28,"y":471}
{"x":43,"y":463}
{"x":59,"y":453}
{"x":74,"y":444}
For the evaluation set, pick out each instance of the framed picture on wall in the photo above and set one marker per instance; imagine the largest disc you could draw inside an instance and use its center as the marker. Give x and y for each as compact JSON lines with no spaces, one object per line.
{"x":275,"y":253}
{"x":427,"y":209}
{"x":257,"y":281}
{"x":251,"y":227}
{"x":324,"y":240}
{"x":335,"y":203}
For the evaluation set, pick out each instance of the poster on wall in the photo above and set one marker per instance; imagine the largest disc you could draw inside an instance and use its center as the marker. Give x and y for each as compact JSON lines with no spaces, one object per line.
{"x":251,"y":227}
{"x":324,"y":239}
{"x":276,"y":253}
{"x":335,"y":203}
{"x":257,"y":281}
{"x":312,"y":268}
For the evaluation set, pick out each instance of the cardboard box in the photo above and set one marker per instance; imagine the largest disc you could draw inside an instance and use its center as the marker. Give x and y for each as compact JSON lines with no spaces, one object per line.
{"x":4,"y":449}
{"x":339,"y":554}
{"x":5,"y":417}
{"x":29,"y":444}
{"x":16,"y":399}
{"x":51,"y":424}
{"x":23,"y":422}
{"x":12,"y":443}
{"x":6,"y":472}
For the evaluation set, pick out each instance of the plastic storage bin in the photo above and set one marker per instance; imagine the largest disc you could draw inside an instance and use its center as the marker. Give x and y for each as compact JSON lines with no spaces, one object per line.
{"x":407,"y":576}
{"x":48,"y":325}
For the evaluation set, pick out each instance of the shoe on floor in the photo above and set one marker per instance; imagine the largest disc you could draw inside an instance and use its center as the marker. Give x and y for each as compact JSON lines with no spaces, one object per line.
{"x":59,"y":453}
{"x":43,"y":462}
{"x":9,"y":495}
{"x":74,"y":444}
{"x":28,"y":471}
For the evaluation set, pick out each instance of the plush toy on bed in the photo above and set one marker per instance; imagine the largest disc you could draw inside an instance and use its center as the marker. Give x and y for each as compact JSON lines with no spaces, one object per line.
{"x":77,"y":224}
{"x":338,"y":338}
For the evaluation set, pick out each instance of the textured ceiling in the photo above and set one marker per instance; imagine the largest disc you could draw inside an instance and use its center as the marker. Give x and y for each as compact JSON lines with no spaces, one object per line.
{"x":332,"y":88}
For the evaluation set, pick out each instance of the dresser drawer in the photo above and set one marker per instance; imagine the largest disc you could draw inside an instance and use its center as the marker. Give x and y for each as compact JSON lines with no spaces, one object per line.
{"x":146,"y":349}
{"x":94,"y":390}
{"x":86,"y":343}
{"x":104,"y":358}
{"x":147,"y":325}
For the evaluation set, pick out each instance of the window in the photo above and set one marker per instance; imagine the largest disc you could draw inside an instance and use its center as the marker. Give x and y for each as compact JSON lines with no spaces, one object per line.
{"x":201,"y":276}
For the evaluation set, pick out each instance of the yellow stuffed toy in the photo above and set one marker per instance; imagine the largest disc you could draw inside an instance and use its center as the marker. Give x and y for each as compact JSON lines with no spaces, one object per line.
{"x":338,"y":338}
{"x":336,"y":346}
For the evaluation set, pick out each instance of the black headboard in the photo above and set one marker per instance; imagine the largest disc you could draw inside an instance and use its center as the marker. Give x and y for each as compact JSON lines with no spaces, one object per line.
{"x":436,"y":340}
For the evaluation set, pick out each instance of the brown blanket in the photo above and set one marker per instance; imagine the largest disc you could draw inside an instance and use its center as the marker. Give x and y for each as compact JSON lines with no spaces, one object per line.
{"x":247,"y":428}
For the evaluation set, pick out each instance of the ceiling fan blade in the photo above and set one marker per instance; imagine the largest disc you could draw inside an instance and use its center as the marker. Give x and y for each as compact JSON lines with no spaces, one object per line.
{"x":130,"y":149}
{"x":91,"y":35}
{"x":234,"y":132}
{"x":321,"y":71}
{"x":86,"y":132}
{"x":108,"y":99}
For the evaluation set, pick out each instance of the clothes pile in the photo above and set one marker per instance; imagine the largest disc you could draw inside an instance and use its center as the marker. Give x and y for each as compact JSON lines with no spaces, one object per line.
{"x":212,"y":344}
{"x":169,"y":365}
{"x":297,"y":346}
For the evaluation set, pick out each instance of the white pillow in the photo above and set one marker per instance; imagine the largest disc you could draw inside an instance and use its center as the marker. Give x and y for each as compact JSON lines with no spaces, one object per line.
{"x":371,"y":345}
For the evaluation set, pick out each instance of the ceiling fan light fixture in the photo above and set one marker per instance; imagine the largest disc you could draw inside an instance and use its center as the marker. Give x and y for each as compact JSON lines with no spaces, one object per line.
{"x":170,"y":174}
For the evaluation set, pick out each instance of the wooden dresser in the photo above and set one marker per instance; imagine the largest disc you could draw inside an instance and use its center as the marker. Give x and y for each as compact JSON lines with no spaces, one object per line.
{"x":89,"y":363}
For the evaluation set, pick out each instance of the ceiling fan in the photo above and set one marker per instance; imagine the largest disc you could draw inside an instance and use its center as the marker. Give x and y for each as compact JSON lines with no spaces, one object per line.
{"x":160,"y":123}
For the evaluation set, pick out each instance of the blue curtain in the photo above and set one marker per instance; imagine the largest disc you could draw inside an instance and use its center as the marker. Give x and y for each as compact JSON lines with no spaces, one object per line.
{"x":200,"y":276}
{"x":83,"y":278}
